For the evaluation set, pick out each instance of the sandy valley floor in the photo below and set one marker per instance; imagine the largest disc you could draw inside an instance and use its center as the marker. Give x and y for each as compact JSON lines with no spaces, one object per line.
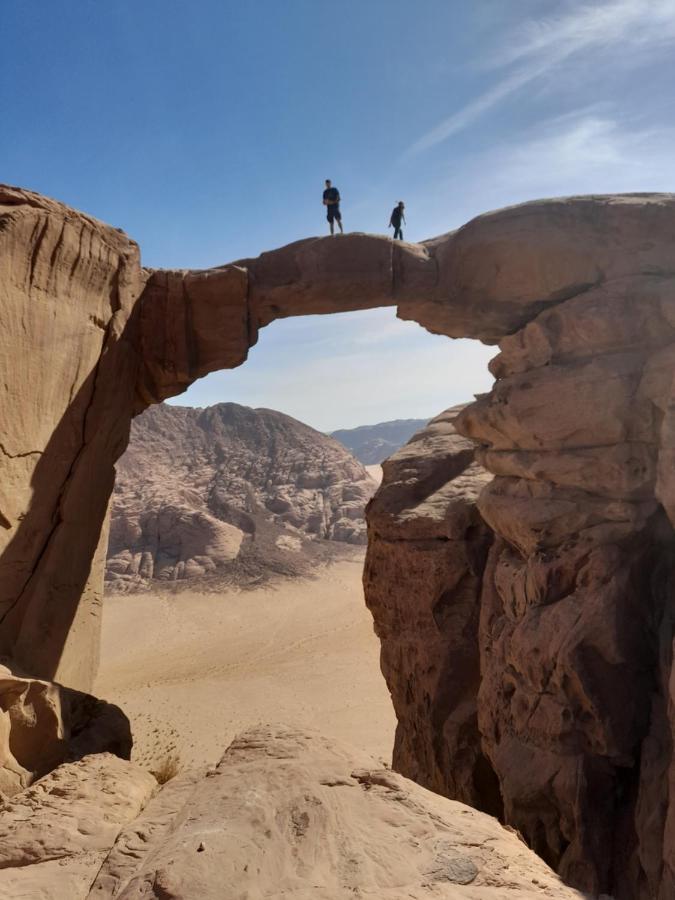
{"x":193,"y":669}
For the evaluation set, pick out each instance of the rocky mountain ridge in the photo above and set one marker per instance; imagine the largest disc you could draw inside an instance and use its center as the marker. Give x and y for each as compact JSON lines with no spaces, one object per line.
{"x":372,"y":444}
{"x":229,"y":492}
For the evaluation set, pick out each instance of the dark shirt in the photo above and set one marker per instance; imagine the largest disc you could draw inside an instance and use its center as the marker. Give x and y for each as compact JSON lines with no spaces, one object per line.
{"x":332,"y":195}
{"x":396,"y":216}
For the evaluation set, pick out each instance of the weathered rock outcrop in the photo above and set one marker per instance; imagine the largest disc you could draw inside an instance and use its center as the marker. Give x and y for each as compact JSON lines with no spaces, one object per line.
{"x":426,"y":555}
{"x":68,"y":290}
{"x":577,"y":599}
{"x":284,"y":814}
{"x":207,"y":493}
{"x":574,"y":640}
{"x":43,"y":724}
{"x":55,"y":835}
{"x":574,"y":707}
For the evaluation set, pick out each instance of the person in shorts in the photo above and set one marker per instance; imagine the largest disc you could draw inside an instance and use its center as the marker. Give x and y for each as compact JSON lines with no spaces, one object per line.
{"x":331,"y":200}
{"x":397,"y":217}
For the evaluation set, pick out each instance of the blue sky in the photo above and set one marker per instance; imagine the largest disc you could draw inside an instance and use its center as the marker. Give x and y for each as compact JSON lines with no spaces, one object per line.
{"x":205,"y":130}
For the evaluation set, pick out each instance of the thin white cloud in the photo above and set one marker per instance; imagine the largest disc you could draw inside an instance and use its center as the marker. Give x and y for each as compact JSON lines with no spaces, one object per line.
{"x":598,"y":149}
{"x":474,"y":110}
{"x":358,"y":383}
{"x":590,"y":152}
{"x":594,"y":150}
{"x":539,"y":46}
{"x":628,"y":23}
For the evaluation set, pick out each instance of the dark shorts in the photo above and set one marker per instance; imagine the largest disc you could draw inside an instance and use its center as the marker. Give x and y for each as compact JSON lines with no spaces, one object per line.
{"x":333,"y":213}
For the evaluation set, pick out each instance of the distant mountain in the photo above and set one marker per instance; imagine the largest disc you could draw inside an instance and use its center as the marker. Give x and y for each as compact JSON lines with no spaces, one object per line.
{"x":371,"y":444}
{"x":229,"y":492}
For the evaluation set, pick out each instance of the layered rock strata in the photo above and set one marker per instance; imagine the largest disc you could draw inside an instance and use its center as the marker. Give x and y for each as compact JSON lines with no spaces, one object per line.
{"x":576,"y":605}
{"x":574,"y":706}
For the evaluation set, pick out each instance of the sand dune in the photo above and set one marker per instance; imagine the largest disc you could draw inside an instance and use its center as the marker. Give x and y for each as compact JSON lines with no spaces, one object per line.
{"x":193,"y":669}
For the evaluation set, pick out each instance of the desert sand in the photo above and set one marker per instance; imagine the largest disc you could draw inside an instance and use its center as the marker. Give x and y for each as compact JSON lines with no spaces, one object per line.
{"x":375,"y":472}
{"x":193,"y":669}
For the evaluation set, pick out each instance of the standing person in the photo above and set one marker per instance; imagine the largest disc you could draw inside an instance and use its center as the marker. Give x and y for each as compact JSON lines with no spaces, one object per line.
{"x":331,"y":200}
{"x":396,"y":218}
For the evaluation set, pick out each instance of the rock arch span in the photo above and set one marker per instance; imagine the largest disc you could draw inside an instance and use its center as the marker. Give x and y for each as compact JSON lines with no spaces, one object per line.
{"x":572,"y":633}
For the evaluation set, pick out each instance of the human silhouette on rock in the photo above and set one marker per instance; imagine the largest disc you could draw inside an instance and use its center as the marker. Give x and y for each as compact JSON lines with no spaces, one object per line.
{"x":397,"y":216}
{"x":331,"y":200}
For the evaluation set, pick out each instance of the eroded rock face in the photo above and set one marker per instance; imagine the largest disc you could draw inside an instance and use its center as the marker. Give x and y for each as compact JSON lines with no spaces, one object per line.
{"x":68,"y":364}
{"x":289,"y":814}
{"x":578,"y":588}
{"x":205,"y":492}
{"x":427,"y":546}
{"x":42,"y":724}
{"x":575,"y":638}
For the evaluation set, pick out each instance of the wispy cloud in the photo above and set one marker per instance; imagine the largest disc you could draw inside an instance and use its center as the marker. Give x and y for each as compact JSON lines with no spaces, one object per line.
{"x":632,"y":24}
{"x":595,"y":150}
{"x":601,"y":148}
{"x":375,"y":368}
{"x":633,"y":27}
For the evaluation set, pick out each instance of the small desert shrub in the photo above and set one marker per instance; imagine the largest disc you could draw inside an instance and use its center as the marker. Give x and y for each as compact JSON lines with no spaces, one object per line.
{"x":167,"y":768}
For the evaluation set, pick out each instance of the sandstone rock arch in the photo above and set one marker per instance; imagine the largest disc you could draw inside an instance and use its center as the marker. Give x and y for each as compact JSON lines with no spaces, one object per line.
{"x":575,"y":635}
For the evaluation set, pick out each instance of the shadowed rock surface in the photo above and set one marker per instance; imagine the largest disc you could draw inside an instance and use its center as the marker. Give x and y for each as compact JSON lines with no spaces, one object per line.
{"x":574,"y":706}
{"x":43,"y":724}
{"x":284,"y":814}
{"x":427,"y":546}
{"x":69,"y":288}
{"x":372,"y":444}
{"x":232,"y":493}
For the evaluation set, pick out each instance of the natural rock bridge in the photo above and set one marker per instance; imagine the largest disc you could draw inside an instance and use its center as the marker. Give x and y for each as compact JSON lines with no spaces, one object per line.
{"x":529,"y":648}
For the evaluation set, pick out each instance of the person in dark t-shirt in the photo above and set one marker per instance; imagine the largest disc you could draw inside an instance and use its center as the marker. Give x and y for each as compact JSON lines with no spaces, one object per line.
{"x":331,"y":200}
{"x":396,"y":218}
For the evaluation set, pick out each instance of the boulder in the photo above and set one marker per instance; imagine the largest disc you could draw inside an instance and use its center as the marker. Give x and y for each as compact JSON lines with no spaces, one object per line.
{"x":42,"y":724}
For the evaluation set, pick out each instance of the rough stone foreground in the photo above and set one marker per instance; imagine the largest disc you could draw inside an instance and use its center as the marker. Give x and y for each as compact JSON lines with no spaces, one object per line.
{"x":571,"y":730}
{"x":285,"y":814}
